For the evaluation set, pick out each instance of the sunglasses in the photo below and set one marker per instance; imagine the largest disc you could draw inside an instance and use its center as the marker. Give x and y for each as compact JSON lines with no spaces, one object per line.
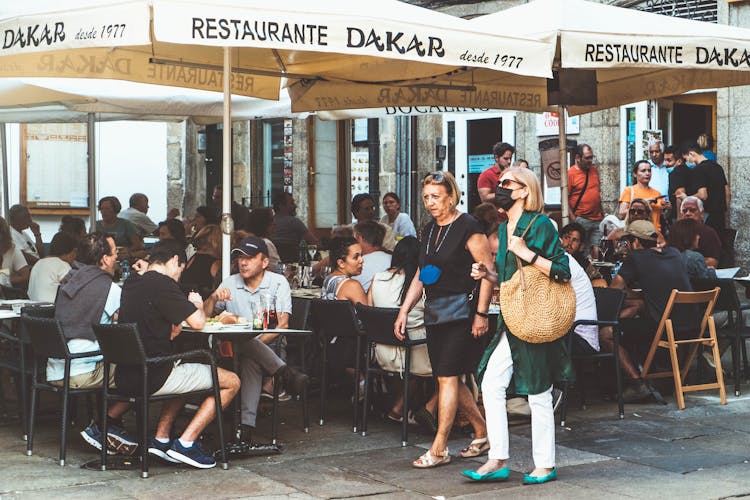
{"x":637,"y":211}
{"x":436,"y":176}
{"x":506,"y":183}
{"x":589,"y":158}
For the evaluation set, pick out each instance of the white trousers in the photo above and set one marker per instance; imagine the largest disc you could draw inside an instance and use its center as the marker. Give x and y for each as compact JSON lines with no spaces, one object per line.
{"x":495,"y":383}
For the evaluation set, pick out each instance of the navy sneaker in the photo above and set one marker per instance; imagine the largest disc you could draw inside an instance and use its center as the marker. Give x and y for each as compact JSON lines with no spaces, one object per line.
{"x":93,"y":436}
{"x":192,"y":456}
{"x":159,"y":449}
{"x":118,"y":440}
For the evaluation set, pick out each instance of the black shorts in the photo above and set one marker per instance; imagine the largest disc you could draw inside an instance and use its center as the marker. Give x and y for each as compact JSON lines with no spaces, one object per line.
{"x":453,"y":350}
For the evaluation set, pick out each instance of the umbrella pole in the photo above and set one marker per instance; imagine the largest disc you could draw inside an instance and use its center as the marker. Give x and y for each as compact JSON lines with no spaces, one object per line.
{"x":227,"y":224}
{"x":4,"y":146}
{"x":91,"y":145}
{"x":564,"y":201}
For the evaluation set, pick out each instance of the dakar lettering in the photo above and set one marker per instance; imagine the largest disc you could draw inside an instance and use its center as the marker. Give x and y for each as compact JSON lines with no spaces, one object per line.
{"x":727,"y":57}
{"x":390,"y":41}
{"x":261,"y":31}
{"x":34,"y":35}
{"x":398,"y":96}
{"x":634,"y":53}
{"x":84,"y":65}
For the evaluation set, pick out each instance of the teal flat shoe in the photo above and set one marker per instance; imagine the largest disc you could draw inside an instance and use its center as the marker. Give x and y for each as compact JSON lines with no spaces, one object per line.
{"x":528,"y":479}
{"x":498,"y":475}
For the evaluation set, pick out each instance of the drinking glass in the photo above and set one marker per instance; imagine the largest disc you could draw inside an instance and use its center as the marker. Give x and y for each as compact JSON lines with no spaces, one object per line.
{"x":604,"y":245}
{"x":312,"y":250}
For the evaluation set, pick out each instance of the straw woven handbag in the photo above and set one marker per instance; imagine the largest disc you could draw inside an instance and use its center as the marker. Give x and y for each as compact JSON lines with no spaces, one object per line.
{"x":535,"y":308}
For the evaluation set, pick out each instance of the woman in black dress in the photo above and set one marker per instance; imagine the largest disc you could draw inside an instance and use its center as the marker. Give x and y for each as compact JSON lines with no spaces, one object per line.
{"x":451,"y":243}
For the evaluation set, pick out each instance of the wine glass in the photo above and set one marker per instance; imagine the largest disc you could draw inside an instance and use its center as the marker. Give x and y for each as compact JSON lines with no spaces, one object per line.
{"x":312,"y":250}
{"x":603,"y":249}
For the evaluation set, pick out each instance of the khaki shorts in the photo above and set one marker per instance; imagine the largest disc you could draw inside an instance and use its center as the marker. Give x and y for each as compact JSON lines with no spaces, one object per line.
{"x":187,"y":377}
{"x":90,"y":379}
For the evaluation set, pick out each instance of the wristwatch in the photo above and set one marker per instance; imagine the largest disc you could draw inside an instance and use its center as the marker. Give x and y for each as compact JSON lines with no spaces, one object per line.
{"x":482,"y":315}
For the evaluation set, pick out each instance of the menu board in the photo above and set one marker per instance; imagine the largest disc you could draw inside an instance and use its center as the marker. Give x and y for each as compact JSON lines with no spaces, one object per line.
{"x":288,"y":156}
{"x":360,"y":172}
{"x":54,"y":165}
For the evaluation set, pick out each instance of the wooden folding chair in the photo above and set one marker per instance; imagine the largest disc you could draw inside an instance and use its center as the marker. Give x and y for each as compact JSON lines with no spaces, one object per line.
{"x":665,"y":325}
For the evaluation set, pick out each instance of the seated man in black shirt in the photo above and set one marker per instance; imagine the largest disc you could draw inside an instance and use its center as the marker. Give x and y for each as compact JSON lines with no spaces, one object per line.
{"x":656,"y":271}
{"x":156,"y":304}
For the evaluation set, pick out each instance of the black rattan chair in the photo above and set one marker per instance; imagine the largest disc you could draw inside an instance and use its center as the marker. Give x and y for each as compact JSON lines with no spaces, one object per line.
{"x":378,"y":326}
{"x":16,"y":358}
{"x":337,"y":318}
{"x":47,"y":341}
{"x":121,"y":345}
{"x":609,"y":302}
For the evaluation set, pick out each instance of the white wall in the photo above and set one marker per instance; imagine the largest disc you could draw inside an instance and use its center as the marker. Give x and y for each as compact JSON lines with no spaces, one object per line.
{"x":130,"y":157}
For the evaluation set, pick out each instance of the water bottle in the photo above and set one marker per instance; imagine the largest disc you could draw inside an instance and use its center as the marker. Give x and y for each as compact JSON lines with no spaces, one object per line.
{"x":125,"y":266}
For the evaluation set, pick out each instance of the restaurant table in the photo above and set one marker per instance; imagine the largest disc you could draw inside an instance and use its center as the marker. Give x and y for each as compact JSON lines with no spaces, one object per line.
{"x":237,"y":333}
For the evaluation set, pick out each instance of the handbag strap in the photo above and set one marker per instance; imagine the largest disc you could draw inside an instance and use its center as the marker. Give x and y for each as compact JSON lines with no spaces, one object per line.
{"x":519,"y":264}
{"x":580,"y":196}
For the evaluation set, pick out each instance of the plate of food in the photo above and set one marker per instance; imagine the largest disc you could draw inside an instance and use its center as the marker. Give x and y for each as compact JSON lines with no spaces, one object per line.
{"x":226,"y":320}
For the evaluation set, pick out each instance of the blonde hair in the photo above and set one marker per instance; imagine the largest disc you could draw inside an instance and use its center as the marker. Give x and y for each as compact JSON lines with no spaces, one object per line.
{"x":535,"y":200}
{"x":445,"y":179}
{"x":208,"y":238}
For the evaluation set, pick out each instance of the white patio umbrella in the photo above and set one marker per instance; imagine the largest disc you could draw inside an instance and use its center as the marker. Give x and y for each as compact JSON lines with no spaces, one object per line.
{"x":246,"y":47}
{"x":605,"y":56}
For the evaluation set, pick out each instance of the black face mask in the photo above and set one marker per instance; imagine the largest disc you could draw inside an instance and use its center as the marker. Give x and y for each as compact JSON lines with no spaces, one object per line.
{"x":504,"y":198}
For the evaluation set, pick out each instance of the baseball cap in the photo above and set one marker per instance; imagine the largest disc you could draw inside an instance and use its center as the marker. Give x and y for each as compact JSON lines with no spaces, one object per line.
{"x":643,"y":229}
{"x":251,"y":246}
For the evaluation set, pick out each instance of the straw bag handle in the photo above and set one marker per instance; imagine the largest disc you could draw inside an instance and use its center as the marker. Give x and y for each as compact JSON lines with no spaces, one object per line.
{"x":519,"y":264}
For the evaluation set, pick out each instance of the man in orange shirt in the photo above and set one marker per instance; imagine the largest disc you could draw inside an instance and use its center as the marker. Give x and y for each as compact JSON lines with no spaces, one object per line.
{"x":585,"y":198}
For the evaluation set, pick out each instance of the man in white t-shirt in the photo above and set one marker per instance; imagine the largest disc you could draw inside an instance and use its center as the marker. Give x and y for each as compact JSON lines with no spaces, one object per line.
{"x":48,"y":273}
{"x":585,"y":307}
{"x":19,"y":219}
{"x":369,"y":234}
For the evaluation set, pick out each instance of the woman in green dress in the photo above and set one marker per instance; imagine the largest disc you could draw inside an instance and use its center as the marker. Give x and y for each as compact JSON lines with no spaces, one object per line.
{"x":510,"y":364}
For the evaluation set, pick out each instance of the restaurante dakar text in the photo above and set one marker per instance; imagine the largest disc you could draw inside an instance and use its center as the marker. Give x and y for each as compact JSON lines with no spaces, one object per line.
{"x":314,"y":34}
{"x":34,"y":35}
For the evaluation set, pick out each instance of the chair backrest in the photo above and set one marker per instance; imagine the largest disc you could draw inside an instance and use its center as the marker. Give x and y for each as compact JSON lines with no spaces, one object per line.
{"x":335,"y":318}
{"x":120,"y":344}
{"x":378,"y":323}
{"x":46,"y":337}
{"x":609,"y":303}
{"x":677,"y":297}
{"x":300,"y":317}
{"x":727,"y":300}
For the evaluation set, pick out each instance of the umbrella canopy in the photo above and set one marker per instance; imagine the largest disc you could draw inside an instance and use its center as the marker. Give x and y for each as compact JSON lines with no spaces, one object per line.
{"x":48,"y":100}
{"x":337,"y":40}
{"x":605,"y":56}
{"x":246,"y":47}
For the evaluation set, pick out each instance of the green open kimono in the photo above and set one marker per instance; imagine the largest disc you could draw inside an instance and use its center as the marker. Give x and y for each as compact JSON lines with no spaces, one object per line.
{"x":535,"y":366}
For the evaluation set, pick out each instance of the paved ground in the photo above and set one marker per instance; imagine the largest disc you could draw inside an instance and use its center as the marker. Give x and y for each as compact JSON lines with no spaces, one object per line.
{"x":656,"y":451}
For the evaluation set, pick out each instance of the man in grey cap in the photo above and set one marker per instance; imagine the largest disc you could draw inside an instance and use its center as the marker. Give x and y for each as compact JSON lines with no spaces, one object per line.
{"x":238,"y":294}
{"x":656,"y":270}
